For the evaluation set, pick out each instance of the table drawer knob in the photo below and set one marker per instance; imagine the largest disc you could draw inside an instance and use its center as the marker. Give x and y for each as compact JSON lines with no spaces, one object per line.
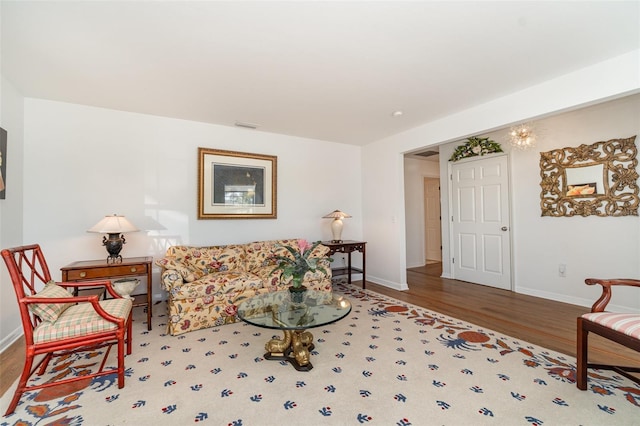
{"x":133,"y":269}
{"x":83,"y":274}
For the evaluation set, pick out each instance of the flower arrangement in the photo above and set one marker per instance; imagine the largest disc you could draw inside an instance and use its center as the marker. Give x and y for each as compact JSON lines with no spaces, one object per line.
{"x":475,"y":146}
{"x":300,"y":264}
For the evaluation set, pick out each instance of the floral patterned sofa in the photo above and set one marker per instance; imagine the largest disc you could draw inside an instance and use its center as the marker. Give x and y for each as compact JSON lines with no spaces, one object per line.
{"x":205,"y":284}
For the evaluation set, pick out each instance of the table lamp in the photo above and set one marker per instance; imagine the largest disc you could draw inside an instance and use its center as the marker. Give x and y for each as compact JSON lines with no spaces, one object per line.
{"x":336,"y":224}
{"x":113,"y":225}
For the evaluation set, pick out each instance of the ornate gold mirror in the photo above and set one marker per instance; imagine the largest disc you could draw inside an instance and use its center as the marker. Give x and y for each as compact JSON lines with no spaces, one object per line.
{"x":600,"y":179}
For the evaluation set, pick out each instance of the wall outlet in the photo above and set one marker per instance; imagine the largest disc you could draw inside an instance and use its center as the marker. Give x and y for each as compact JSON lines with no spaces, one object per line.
{"x":344,"y":261}
{"x":562,"y":270}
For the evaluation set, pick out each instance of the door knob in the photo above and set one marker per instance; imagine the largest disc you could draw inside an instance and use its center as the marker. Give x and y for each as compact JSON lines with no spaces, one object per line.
{"x":504,"y":228}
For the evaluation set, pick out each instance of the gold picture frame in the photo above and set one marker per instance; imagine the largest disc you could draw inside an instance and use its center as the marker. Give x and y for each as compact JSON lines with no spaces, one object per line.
{"x":600,"y":179}
{"x":236,"y":185}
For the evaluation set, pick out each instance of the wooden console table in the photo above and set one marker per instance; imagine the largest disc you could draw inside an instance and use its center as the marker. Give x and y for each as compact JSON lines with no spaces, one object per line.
{"x":91,"y":270}
{"x":349,"y":246}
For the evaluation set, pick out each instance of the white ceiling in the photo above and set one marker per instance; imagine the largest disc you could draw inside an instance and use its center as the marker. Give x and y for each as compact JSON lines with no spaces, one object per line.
{"x":331,"y":70}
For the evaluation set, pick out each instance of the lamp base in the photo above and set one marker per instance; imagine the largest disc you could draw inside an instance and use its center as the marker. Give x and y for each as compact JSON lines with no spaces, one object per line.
{"x":114,"y":246}
{"x":336,"y":241}
{"x":114,"y":259}
{"x":336,"y":230}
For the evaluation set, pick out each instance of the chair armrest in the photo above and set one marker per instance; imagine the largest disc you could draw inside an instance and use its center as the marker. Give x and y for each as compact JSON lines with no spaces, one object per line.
{"x":93,"y":299}
{"x":606,"y":284}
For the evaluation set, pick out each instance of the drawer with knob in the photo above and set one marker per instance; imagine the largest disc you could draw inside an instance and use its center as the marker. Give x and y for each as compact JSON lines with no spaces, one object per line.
{"x":97,"y":270}
{"x":110,"y":271}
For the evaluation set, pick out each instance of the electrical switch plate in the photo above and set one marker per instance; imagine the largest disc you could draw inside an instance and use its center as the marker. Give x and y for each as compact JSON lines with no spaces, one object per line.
{"x":562,"y":270}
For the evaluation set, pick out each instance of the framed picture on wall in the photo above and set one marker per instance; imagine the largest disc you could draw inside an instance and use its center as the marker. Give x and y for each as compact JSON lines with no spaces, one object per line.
{"x":236,"y":185}
{"x":3,"y":162}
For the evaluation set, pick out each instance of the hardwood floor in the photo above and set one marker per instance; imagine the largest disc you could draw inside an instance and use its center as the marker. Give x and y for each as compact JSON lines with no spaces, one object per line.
{"x":11,"y":363}
{"x":539,"y":321}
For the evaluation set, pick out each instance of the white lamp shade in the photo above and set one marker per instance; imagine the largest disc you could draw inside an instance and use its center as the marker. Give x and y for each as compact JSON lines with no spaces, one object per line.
{"x":336,"y":224}
{"x":113,"y":224}
{"x":336,"y":214}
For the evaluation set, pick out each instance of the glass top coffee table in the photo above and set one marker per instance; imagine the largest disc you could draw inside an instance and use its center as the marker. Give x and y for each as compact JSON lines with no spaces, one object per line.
{"x":276,"y":310}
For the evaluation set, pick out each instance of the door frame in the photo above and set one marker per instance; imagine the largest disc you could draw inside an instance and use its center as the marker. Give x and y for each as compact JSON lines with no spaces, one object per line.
{"x":449,"y":219}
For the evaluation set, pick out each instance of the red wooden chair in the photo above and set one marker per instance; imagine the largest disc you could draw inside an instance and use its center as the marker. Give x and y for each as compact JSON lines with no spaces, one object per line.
{"x":56,"y":323}
{"x":620,"y":328}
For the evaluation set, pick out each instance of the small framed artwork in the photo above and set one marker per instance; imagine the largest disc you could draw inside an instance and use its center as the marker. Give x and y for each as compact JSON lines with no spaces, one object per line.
{"x":236,"y":185}
{"x":3,"y":162}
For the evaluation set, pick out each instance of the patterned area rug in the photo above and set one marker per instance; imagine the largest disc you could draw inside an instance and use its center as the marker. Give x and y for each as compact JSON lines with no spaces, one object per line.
{"x":387,"y":363}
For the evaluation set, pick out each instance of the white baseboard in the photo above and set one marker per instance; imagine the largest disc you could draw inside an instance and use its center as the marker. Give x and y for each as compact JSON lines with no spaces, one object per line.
{"x":390,"y":284}
{"x":12,"y":337}
{"x":579,"y":301}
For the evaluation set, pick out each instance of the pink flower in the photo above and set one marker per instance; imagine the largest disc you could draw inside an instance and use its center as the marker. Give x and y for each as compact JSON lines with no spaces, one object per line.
{"x":303,"y":245}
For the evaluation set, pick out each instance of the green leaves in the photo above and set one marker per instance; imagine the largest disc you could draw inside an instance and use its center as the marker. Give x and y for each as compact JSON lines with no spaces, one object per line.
{"x":475,"y":146}
{"x":300,"y":264}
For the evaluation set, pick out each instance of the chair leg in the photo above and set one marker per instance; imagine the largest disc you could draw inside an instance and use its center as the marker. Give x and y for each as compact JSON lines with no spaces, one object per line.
{"x":129,"y":338}
{"x":121,"y":342}
{"x":22,"y":384}
{"x":582,"y":357}
{"x":45,"y":363}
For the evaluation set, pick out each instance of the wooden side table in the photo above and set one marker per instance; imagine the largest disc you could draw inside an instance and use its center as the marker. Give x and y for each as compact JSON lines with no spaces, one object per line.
{"x":91,"y":270}
{"x":349,"y":246}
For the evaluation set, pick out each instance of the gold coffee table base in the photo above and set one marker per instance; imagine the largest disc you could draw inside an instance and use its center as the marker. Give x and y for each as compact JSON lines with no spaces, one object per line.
{"x":293,"y":348}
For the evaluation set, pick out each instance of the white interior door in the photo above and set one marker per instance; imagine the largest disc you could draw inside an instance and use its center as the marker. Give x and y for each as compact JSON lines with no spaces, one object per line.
{"x":432,"y":227}
{"x":480,"y":221}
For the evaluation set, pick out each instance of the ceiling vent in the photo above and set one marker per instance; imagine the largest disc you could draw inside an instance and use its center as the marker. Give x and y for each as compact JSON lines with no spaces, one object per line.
{"x":427,"y":153}
{"x":246,"y":125}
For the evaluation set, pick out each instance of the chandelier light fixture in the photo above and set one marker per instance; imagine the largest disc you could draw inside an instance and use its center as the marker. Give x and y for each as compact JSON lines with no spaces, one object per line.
{"x":522,"y":136}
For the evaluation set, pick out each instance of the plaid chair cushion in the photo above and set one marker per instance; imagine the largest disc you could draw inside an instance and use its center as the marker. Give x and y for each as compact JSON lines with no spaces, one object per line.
{"x":50,"y":312}
{"x":628,"y":324}
{"x":81,"y":320}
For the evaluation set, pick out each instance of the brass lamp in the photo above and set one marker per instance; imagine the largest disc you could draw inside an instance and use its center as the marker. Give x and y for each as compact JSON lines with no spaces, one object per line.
{"x":113,"y":225}
{"x":336,"y":224}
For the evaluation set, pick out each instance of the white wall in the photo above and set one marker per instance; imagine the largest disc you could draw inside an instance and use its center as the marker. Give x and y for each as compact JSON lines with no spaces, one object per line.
{"x":81,"y":163}
{"x":11,"y":208}
{"x":415,"y":170}
{"x":601,"y":247}
{"x":384,"y":226}
{"x":590,"y":247}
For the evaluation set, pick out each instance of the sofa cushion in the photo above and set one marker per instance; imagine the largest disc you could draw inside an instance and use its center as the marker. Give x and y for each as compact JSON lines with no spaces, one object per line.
{"x":217,"y":284}
{"x":271,"y":279}
{"x":259,"y":254}
{"x":210,"y":259}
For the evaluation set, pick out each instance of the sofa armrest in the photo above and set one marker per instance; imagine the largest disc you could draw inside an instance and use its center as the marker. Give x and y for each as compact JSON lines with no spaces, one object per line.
{"x":170,"y":278}
{"x":321,"y":251}
{"x":186,"y":272}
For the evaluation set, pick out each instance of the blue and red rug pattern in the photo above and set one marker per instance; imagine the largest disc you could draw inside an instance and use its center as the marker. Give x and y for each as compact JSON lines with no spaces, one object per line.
{"x":387,"y":363}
